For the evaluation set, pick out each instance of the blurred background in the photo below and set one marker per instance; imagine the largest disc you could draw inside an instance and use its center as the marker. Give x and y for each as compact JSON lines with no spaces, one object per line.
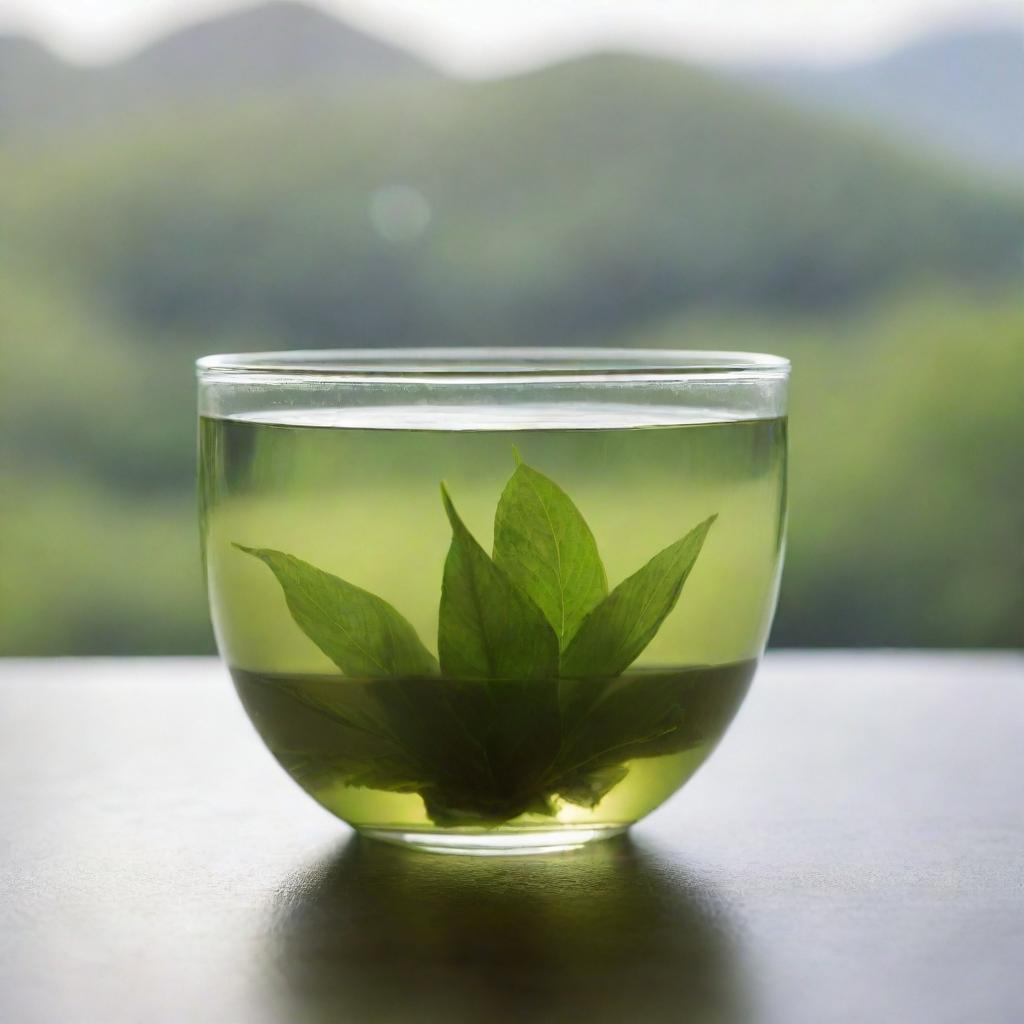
{"x":840,"y":183}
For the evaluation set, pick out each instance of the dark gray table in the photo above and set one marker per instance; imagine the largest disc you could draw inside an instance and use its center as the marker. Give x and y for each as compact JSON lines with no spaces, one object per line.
{"x":853,"y":852}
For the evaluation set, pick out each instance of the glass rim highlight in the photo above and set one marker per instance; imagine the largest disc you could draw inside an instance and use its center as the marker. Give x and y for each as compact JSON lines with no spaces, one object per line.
{"x":491,"y":366}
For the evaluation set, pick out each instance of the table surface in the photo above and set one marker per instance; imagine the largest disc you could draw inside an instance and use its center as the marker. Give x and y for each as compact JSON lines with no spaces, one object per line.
{"x":854,"y":851}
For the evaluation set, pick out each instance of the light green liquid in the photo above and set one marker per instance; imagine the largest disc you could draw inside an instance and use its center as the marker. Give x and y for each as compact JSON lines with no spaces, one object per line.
{"x":357,"y":494}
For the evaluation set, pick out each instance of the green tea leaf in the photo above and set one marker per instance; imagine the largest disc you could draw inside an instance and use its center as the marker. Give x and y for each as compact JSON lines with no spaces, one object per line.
{"x":624,"y":623}
{"x":451,"y":809}
{"x":482,"y":752}
{"x":589,"y":788}
{"x":638,"y":716}
{"x":532,"y":709}
{"x":326,"y":769}
{"x":523,"y":733}
{"x":488,"y":628}
{"x":361,"y":633}
{"x":545,"y":547}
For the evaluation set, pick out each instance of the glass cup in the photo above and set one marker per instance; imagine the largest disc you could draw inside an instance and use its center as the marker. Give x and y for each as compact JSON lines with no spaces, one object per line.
{"x":496,"y":600}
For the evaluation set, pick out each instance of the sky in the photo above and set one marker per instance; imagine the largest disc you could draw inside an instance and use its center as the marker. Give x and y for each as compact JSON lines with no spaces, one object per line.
{"x":488,"y":36}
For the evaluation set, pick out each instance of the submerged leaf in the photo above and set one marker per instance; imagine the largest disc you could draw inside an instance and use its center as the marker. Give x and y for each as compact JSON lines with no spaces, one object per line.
{"x":634,"y":717}
{"x":480,"y":753}
{"x":315,"y":770}
{"x":589,"y":788}
{"x":452,"y":810}
{"x":361,"y":633}
{"x":545,"y":547}
{"x":523,"y":733}
{"x":488,"y":628}
{"x":624,"y":623}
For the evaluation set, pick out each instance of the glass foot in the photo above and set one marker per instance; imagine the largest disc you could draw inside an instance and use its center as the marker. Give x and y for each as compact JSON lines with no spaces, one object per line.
{"x":509,"y":843}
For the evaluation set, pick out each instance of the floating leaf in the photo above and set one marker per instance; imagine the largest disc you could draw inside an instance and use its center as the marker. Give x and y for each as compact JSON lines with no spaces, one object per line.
{"x":360,"y":632}
{"x":625,"y":622}
{"x":544,"y":545}
{"x":488,"y":628}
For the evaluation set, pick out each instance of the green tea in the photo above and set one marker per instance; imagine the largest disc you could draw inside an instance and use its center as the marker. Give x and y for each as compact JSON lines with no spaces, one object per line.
{"x":484,"y":621}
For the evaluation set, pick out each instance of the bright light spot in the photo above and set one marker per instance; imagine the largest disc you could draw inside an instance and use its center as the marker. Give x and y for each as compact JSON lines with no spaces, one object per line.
{"x":399,"y":213}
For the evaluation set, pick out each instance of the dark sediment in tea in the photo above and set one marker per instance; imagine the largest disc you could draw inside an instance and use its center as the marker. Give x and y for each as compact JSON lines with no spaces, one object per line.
{"x":483,"y":753}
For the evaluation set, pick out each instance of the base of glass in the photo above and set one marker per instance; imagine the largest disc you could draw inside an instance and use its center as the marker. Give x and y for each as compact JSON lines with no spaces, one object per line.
{"x":510,"y":843}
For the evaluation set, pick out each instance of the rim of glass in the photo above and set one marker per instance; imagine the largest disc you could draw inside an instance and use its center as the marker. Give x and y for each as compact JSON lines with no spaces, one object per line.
{"x":490,"y":365}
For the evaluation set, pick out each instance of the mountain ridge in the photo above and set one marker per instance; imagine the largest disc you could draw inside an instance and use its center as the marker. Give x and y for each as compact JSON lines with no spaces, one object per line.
{"x":958,"y":91}
{"x":287,"y":42}
{"x":278,"y":46}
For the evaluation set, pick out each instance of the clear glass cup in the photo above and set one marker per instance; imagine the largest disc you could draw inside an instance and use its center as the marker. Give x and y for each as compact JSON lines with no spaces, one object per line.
{"x":502,"y":600}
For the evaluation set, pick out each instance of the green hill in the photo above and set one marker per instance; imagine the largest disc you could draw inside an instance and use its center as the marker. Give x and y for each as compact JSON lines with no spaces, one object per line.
{"x":559,"y":206}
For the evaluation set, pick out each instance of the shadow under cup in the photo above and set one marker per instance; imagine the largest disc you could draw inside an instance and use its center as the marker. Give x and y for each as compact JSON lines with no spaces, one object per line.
{"x":611,"y":934}
{"x":492,"y":600}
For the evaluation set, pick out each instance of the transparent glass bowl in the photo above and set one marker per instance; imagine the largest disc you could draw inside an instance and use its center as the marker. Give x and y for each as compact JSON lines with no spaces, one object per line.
{"x":492,"y":600}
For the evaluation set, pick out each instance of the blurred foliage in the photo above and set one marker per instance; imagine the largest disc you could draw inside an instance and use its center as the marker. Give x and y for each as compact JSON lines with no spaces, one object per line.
{"x":906,"y":472}
{"x":613,"y":201}
{"x":569,"y":204}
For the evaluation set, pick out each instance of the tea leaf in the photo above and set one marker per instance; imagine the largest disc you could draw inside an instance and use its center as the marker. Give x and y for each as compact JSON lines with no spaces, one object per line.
{"x":361,"y":633}
{"x":624,"y":623}
{"x":523,"y":733}
{"x":484,"y":752}
{"x":638,"y":716}
{"x":545,"y":547}
{"x":589,"y":788}
{"x":477,"y":751}
{"x":488,"y":628}
{"x":326,"y":769}
{"x":451,"y":809}
{"x":529,"y":710}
